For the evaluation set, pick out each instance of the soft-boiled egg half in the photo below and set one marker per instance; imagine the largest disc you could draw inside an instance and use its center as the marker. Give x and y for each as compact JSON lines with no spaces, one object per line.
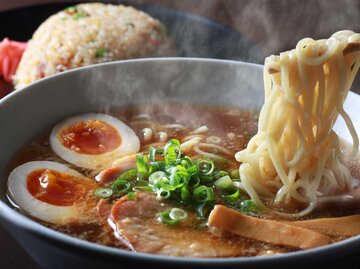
{"x":93,"y":141}
{"x":51,"y":191}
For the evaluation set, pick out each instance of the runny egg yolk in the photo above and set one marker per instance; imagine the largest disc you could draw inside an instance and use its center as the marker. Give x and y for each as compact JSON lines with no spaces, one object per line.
{"x":55,"y":187}
{"x":90,"y":137}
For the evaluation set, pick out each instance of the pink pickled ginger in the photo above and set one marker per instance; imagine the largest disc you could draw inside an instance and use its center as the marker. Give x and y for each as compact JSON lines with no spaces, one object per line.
{"x":10,"y":56}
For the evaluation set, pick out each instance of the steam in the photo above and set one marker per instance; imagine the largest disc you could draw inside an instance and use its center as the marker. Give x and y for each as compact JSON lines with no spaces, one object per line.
{"x":268,"y":27}
{"x":143,"y":83}
{"x":278,"y":25}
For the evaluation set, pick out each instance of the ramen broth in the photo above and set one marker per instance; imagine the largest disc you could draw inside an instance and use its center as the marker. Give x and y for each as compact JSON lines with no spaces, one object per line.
{"x":229,"y":128}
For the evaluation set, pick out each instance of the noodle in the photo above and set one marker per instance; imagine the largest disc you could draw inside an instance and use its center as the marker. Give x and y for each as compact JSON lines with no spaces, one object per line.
{"x":295,"y":155}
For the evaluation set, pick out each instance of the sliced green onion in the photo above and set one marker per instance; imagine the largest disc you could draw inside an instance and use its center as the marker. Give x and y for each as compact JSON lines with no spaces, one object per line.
{"x":152,"y":154}
{"x":172,"y":217}
{"x":166,"y":186}
{"x":79,"y":15}
{"x":141,"y":164}
{"x":181,"y":168}
{"x":143,"y":188}
{"x":177,"y":214}
{"x":186,"y":162}
{"x":172,"y":151}
{"x":224,"y":184}
{"x":131,"y":195}
{"x":162,"y":194}
{"x":206,"y":179}
{"x":203,"y":194}
{"x":219,"y":173}
{"x":248,"y":206}
{"x":161,"y":182}
{"x":179,"y":178}
{"x":100,"y":52}
{"x":164,"y":217}
{"x":175,"y":180}
{"x":233,"y":196}
{"x":121,"y":186}
{"x":129,"y":175}
{"x":201,"y":210}
{"x":192,"y":170}
{"x":235,"y":174}
{"x":205,"y":166}
{"x":185,"y":194}
{"x":103,"y":192}
{"x":156,"y":166}
{"x":170,"y":169}
{"x":156,"y":177}
{"x":194,"y":182}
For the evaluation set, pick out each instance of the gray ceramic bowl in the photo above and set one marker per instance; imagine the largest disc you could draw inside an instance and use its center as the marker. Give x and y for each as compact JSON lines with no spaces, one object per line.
{"x":25,"y":113}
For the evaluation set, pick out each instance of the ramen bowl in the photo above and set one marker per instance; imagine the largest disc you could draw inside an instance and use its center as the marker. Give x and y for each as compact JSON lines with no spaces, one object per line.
{"x":27,"y":112}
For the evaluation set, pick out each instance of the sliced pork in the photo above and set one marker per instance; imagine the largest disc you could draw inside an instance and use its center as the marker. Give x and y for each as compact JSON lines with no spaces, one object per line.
{"x":136,"y":223}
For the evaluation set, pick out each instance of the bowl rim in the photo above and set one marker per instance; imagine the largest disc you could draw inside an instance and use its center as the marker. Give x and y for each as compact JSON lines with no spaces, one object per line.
{"x":21,"y":221}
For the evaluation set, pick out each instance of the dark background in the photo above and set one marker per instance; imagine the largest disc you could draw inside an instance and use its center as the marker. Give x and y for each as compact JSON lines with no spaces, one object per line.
{"x":255,"y":28}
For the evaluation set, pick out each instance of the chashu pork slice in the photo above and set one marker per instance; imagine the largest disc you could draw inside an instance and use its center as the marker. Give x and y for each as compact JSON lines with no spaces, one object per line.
{"x":135,"y":222}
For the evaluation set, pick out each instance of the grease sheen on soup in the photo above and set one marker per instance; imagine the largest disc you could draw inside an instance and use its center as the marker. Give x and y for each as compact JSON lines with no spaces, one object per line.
{"x":228,"y":128}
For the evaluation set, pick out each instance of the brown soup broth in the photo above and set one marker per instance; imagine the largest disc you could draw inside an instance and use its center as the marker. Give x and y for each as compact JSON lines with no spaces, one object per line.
{"x":233,"y":126}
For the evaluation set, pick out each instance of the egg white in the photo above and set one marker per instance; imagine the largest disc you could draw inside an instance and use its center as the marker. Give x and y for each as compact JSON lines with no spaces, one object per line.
{"x":17,"y":186}
{"x":129,"y":143}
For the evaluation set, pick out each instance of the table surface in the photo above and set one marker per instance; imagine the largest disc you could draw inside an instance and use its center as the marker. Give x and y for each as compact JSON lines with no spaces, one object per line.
{"x":273,"y":25}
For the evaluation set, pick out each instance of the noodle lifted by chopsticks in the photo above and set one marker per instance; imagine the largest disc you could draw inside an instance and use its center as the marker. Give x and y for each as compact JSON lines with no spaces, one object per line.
{"x":295,"y":155}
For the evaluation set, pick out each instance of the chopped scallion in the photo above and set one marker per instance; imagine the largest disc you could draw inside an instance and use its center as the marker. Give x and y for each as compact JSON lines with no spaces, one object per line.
{"x":121,"y":186}
{"x":100,"y":52}
{"x":131,"y":195}
{"x":172,"y":217}
{"x":248,"y":206}
{"x":224,"y":184}
{"x":129,"y":175}
{"x":155,"y":177}
{"x":192,"y":170}
{"x":177,"y":214}
{"x":205,"y":166}
{"x":194,"y":182}
{"x":235,"y":174}
{"x":152,"y":154}
{"x":79,"y":15}
{"x":203,"y":194}
{"x":186,"y":162}
{"x":185,"y":194}
{"x":156,"y":166}
{"x":170,"y":175}
{"x":164,"y":217}
{"x":141,"y":162}
{"x":172,"y":151}
{"x":103,"y":192}
{"x":233,"y":196}
{"x":219,"y":173}
{"x":162,"y":194}
{"x":143,"y":188}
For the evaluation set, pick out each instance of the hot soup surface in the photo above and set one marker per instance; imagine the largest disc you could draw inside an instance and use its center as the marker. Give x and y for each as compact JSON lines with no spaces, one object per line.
{"x":146,"y":179}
